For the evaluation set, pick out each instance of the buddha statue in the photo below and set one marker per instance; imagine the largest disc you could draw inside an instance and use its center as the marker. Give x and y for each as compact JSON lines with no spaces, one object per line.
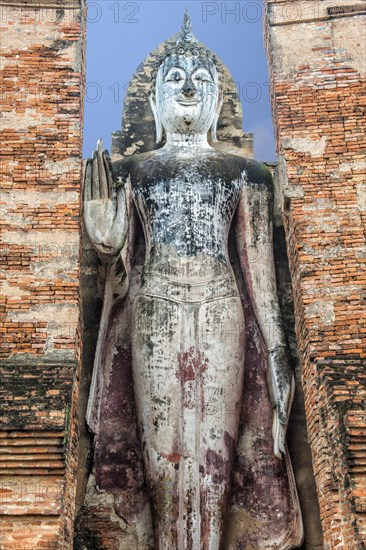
{"x":187,"y":324}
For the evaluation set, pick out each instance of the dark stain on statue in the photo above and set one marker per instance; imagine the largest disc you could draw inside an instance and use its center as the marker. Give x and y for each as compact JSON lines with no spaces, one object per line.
{"x":189,"y":521}
{"x":203,"y":186}
{"x":118,"y":461}
{"x":216,"y":466}
{"x":230,"y":443}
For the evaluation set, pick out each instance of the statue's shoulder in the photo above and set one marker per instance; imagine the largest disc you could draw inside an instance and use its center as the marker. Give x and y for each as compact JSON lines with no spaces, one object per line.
{"x":257,"y":174}
{"x":122,"y":167}
{"x":135,"y":163}
{"x":254,"y":173}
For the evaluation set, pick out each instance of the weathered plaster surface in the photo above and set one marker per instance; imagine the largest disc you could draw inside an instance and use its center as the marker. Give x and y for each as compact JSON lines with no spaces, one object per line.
{"x":315,"y":147}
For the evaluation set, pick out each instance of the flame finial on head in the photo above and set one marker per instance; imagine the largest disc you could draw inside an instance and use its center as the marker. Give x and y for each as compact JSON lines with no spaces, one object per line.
{"x":186,"y":34}
{"x":185,"y":44}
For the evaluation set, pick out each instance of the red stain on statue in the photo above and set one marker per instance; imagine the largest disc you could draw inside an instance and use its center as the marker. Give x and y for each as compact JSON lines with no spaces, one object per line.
{"x":171,"y":457}
{"x":191,"y":365}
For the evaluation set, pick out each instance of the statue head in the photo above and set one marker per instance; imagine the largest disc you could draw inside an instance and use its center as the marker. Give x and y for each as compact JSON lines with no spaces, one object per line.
{"x":187,"y":96}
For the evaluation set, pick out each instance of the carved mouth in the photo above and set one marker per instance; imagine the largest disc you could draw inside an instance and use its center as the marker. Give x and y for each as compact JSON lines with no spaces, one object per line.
{"x":188,"y":101}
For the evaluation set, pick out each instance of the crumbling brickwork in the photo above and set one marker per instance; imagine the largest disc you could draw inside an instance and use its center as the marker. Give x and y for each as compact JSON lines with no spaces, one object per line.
{"x":316,"y":52}
{"x":42,"y":67}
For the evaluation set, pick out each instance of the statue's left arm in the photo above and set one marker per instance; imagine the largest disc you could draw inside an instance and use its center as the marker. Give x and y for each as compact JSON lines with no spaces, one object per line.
{"x":255,"y":246}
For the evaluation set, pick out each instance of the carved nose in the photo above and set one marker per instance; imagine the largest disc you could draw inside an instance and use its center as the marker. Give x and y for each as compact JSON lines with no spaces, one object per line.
{"x":188,"y":89}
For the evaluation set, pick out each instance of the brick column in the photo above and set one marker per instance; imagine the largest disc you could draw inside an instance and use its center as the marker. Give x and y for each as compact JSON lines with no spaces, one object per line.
{"x":316,"y":52}
{"x":42,"y":67}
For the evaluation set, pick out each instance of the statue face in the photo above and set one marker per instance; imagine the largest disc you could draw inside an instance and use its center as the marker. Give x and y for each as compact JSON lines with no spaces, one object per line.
{"x":187,"y":94}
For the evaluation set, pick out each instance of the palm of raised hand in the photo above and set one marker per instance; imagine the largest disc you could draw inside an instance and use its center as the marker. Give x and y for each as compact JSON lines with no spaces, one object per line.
{"x":104,"y":207}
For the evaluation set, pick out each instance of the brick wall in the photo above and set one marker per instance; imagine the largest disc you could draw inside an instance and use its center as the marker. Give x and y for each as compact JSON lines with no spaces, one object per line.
{"x":42,"y":64}
{"x":316,"y":52}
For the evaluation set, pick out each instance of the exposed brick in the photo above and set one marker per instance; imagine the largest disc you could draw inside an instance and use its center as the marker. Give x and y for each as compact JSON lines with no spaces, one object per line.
{"x":42,"y":71}
{"x":319,"y":105}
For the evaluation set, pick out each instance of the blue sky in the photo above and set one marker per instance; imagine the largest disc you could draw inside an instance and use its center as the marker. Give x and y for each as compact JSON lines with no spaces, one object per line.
{"x":120,"y":34}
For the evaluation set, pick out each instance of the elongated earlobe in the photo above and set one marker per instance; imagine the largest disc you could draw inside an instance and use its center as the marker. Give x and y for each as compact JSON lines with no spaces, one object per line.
{"x":215,"y":120}
{"x":158,"y":125}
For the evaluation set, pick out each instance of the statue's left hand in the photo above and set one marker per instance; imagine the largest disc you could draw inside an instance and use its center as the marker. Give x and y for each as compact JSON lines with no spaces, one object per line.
{"x":104,"y":206}
{"x":281,"y":386}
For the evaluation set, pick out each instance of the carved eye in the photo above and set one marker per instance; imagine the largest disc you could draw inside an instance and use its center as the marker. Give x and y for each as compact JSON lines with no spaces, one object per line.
{"x":202,"y":76}
{"x":174,"y":77}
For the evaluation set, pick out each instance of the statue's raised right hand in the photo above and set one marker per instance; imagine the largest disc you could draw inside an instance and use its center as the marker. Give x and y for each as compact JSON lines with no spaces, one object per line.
{"x":104,"y":207}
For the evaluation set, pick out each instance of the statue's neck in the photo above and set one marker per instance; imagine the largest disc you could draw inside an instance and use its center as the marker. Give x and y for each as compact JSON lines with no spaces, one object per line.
{"x":187,"y":140}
